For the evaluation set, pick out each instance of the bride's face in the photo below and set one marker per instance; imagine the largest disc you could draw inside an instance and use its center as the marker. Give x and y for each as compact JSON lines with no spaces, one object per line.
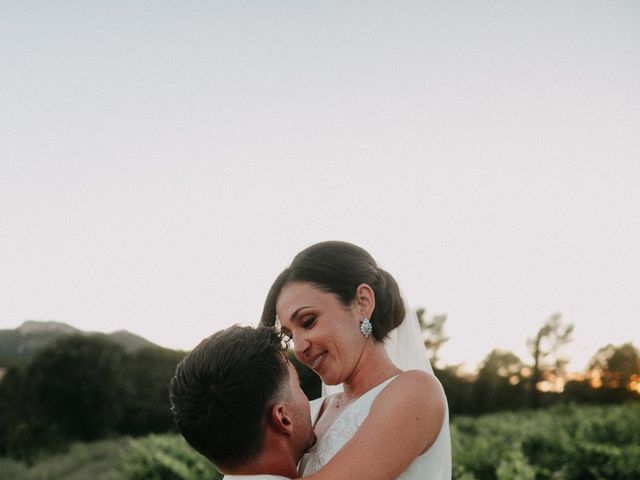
{"x":325,"y":332}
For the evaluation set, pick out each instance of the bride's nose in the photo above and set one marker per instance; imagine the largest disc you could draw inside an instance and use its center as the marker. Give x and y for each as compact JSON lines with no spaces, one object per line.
{"x":301,"y":345}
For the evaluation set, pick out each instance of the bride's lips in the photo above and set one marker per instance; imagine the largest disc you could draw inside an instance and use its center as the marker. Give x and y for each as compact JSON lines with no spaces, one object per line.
{"x":317,"y":361}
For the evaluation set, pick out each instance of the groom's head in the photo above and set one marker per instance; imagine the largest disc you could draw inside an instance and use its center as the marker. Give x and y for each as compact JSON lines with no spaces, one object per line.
{"x":236,"y":395}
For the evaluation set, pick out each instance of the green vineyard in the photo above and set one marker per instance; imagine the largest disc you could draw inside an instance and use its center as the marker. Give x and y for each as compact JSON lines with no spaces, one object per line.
{"x":560,"y":443}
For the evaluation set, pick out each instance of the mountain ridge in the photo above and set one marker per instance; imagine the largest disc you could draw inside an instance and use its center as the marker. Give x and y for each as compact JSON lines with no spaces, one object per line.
{"x":23,"y":342}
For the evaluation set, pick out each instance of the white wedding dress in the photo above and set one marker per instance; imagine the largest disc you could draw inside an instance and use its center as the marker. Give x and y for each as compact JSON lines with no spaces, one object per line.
{"x":434,"y":464}
{"x":406,"y":349}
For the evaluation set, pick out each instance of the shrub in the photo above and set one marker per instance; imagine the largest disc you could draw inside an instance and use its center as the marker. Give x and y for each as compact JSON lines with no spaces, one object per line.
{"x":164,"y":457}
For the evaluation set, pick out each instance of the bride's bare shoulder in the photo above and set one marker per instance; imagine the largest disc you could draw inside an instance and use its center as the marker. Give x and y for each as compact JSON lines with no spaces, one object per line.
{"x":415,"y":378}
{"x":413,"y":390}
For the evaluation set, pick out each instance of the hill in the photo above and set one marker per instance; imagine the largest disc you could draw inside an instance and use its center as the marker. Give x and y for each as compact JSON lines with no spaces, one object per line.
{"x":21,"y":343}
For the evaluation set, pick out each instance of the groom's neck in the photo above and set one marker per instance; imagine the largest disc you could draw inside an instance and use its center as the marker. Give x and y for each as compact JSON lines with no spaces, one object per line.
{"x":275,"y":459}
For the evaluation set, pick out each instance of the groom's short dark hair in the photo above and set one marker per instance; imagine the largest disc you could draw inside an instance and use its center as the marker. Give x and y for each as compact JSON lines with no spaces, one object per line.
{"x":222,"y":391}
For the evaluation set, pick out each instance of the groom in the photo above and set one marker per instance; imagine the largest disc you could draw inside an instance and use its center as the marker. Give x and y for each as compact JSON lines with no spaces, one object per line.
{"x":236,"y":399}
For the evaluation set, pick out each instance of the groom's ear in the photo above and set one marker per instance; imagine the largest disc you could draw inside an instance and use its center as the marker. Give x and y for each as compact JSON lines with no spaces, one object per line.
{"x":281,"y":419}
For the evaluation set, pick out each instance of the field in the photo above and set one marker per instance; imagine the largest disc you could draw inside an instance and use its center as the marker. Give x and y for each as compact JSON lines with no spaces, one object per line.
{"x":564,"y":442}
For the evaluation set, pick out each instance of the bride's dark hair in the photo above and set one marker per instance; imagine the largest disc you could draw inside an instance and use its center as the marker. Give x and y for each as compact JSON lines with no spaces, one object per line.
{"x":338,"y":268}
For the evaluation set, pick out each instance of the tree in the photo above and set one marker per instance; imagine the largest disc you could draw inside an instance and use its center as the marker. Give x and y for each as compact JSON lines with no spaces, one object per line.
{"x":75,"y":389}
{"x":617,"y":367}
{"x":499,"y":382}
{"x":457,"y":388}
{"x":15,"y":431}
{"x":435,"y":336}
{"x":147,"y":374}
{"x":546,"y":350}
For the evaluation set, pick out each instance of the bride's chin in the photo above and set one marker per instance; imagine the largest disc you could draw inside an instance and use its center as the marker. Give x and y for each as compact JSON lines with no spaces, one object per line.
{"x":329,"y":380}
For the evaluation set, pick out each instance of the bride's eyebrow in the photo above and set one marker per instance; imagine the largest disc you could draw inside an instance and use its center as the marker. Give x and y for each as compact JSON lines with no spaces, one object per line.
{"x":296,"y":312}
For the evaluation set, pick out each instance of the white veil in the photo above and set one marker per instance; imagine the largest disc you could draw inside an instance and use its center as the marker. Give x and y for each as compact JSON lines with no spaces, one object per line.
{"x":404,"y":346}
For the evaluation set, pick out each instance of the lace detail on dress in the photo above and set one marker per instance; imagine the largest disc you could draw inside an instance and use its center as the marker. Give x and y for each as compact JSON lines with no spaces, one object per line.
{"x":340,"y":432}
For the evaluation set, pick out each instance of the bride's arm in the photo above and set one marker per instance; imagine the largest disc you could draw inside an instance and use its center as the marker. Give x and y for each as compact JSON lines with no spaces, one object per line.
{"x":403,"y":422}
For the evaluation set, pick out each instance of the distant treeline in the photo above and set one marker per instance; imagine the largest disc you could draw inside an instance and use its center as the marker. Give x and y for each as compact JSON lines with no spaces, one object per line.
{"x":83,"y":388}
{"x":505,"y":382}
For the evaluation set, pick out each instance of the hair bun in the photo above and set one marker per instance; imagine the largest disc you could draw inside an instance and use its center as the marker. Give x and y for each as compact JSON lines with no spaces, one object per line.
{"x":338,"y":268}
{"x":390,"y":311}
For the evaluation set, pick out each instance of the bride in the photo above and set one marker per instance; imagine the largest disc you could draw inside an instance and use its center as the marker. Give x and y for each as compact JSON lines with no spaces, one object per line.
{"x":388,"y":416}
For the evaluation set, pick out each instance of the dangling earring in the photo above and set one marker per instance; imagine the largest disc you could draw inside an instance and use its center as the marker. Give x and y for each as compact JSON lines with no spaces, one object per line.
{"x":366,"y":328}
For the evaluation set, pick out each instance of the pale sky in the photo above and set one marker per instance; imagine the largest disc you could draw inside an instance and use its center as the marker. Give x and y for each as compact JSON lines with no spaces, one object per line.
{"x":162,"y":162}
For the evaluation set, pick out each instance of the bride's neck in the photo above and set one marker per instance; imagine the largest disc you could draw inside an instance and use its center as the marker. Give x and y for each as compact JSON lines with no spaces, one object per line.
{"x":373,"y":368}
